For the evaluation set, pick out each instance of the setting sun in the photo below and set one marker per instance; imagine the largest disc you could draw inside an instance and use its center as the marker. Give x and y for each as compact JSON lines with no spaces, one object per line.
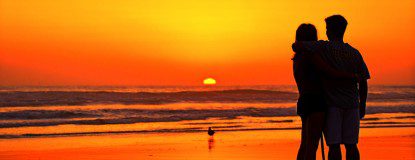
{"x":209,"y":81}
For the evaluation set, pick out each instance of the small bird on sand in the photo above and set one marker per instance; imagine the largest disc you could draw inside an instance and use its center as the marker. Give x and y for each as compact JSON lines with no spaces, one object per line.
{"x":210,"y":131}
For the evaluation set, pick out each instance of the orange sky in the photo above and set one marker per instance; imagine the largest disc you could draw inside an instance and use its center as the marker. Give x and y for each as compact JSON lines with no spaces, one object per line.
{"x":162,"y":42}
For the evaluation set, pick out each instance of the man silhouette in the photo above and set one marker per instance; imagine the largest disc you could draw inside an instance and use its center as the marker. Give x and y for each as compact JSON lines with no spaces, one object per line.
{"x":346,"y":99}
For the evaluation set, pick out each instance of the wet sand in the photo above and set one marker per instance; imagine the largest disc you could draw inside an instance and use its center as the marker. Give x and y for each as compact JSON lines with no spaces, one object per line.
{"x":375,"y":143}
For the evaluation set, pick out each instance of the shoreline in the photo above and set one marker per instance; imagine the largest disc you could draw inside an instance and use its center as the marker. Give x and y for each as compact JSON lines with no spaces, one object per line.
{"x":167,"y":131}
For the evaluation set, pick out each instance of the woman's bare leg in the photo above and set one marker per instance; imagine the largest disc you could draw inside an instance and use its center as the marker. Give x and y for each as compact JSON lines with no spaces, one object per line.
{"x":315,"y":125}
{"x":301,"y":150}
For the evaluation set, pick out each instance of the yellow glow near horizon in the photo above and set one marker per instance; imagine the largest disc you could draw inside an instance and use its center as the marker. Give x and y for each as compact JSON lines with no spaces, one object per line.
{"x":129,"y":42}
{"x":209,"y":81}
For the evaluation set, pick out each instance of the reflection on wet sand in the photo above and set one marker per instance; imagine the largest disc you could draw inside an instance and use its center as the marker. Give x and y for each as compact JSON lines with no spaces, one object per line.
{"x":244,"y":145}
{"x":211,"y":143}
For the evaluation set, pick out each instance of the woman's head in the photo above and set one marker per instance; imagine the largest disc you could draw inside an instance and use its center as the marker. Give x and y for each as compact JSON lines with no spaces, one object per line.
{"x":306,"y":32}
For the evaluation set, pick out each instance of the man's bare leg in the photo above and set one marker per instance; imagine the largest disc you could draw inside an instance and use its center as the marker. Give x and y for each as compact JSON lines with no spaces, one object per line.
{"x":352,"y":152}
{"x":335,"y":152}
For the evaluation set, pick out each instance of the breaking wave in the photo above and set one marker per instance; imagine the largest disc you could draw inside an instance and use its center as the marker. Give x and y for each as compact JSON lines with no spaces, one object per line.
{"x":47,"y":98}
{"x":128,"y":116}
{"x":72,"y":98}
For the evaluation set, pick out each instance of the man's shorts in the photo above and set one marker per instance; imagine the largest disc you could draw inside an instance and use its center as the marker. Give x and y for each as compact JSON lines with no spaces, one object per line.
{"x":342,"y":126}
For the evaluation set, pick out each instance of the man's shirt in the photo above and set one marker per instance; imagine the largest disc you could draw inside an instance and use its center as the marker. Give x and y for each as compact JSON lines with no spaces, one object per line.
{"x":343,"y":57}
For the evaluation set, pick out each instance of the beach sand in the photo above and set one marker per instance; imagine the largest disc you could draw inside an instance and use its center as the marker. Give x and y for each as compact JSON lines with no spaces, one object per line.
{"x":375,"y":143}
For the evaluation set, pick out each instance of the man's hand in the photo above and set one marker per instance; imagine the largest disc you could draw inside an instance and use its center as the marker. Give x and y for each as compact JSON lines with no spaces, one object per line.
{"x":362,"y":111}
{"x":363,"y":97}
{"x":296,"y":46}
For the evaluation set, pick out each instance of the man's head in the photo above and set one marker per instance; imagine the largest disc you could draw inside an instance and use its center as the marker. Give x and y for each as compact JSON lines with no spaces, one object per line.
{"x":336,"y":26}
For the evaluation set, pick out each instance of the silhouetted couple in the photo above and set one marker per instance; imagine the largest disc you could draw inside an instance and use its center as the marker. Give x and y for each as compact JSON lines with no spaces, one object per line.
{"x":331,"y":77}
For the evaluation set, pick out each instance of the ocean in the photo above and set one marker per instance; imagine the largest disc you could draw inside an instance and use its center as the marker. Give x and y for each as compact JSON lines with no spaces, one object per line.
{"x":86,"y":110}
